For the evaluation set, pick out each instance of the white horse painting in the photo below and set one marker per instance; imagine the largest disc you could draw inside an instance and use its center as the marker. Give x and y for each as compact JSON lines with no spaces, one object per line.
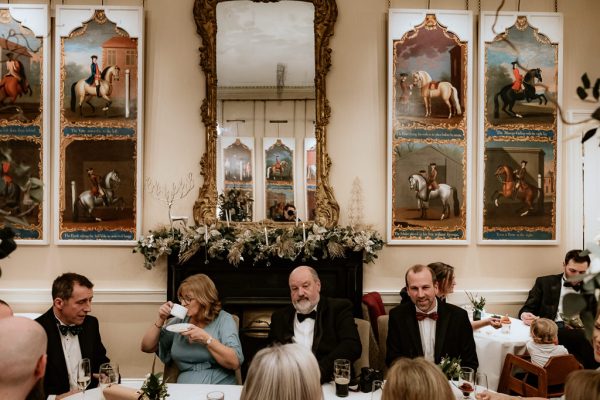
{"x":87,"y":92}
{"x":417,"y":183}
{"x":430,"y":89}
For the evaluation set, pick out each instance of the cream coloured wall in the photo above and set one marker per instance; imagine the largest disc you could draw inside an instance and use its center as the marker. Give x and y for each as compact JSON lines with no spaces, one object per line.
{"x":127,"y":295}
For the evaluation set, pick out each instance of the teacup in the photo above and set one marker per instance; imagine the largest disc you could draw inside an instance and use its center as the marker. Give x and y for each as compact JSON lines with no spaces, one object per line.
{"x":179,"y":311}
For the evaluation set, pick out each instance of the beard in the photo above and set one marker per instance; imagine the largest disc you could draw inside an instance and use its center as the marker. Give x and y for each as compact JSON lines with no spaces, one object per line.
{"x":304,"y":306}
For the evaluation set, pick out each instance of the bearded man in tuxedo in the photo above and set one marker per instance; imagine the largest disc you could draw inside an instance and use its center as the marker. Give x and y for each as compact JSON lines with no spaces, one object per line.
{"x":324,"y":325}
{"x":72,"y":334}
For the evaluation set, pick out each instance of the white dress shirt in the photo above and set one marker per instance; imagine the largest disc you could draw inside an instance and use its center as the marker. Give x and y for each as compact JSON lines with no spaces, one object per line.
{"x":72,"y":351}
{"x":427,"y":332}
{"x":304,"y":331}
{"x":563,"y":291}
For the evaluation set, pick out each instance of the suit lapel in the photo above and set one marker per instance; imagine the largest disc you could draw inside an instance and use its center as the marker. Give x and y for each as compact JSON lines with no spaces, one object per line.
{"x":85,"y":344}
{"x":288,"y":334}
{"x":441,"y":329}
{"x":413,"y":331}
{"x":57,"y":366}
{"x":318,"y":331}
{"x":555,"y":288}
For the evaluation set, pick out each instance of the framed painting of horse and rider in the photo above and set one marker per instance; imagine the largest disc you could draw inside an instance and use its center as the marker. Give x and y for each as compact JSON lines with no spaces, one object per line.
{"x":98,"y":120}
{"x":520,"y":73}
{"x":25,"y":121}
{"x":429,"y":126}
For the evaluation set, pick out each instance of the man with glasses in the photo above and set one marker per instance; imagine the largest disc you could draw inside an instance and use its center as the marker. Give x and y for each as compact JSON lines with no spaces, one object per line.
{"x":72,"y":334}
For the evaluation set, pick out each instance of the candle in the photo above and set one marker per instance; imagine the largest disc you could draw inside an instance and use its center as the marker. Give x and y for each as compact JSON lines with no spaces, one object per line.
{"x":296,"y":219}
{"x":266,"y":237}
{"x":205,"y":233}
{"x":227,"y":217}
{"x":240,"y":170}
{"x":303,"y":232}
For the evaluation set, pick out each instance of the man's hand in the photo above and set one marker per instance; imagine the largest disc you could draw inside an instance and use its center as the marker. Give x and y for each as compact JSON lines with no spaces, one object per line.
{"x":528,"y":318}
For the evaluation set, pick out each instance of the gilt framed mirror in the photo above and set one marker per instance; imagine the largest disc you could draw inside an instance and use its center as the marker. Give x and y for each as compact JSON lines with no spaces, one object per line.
{"x":265,"y":111}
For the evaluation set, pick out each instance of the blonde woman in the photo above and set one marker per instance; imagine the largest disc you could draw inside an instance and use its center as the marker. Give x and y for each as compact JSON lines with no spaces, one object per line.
{"x":583,"y":385}
{"x":210,"y":351}
{"x":283,"y":372}
{"x":416,"y":379}
{"x":544,"y":342}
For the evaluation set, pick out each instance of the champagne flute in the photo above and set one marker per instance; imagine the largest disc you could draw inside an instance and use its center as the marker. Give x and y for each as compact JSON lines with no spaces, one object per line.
{"x":84,"y":374}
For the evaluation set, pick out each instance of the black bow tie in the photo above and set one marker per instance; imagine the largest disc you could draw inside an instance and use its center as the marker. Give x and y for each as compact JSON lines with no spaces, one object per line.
{"x":576,"y":287}
{"x":74,"y":329}
{"x":302,"y":317}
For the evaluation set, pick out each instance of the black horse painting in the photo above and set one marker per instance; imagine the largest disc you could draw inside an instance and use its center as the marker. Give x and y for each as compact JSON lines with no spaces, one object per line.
{"x":510,"y":96}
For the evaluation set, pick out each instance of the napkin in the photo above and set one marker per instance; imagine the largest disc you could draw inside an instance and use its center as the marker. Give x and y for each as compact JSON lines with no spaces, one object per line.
{"x":118,"y":392}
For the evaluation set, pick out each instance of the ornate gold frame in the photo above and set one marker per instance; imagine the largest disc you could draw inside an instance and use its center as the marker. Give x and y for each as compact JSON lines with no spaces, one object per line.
{"x":205,"y":15}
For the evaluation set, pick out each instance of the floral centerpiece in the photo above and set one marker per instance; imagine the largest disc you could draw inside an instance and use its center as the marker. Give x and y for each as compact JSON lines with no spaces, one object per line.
{"x":154,"y":387}
{"x":478,"y":303}
{"x":240,"y":242}
{"x":450,"y":366}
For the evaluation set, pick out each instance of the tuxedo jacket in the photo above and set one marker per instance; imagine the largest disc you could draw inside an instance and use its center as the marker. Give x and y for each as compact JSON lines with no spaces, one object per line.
{"x":544,"y":297}
{"x":335,"y":335}
{"x":56,"y":380}
{"x":453,"y":335}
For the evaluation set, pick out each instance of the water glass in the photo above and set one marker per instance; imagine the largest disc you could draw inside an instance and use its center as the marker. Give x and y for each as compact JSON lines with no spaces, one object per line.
{"x":481,"y":383}
{"x":377,"y":390}
{"x":341,"y":374}
{"x":505,"y":328}
{"x":215,"y":396}
{"x":109,"y":374}
{"x":467,"y":382}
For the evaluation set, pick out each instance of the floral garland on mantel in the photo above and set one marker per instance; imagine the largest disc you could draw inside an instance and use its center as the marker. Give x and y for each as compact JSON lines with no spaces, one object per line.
{"x":240,"y":242}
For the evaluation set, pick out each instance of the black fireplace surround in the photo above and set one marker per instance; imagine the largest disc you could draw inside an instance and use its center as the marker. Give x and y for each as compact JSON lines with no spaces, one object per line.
{"x":267,"y":285}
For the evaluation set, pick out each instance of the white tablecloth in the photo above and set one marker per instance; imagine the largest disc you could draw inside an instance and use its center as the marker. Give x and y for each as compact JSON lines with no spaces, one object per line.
{"x":493,"y":346}
{"x":232,"y":392}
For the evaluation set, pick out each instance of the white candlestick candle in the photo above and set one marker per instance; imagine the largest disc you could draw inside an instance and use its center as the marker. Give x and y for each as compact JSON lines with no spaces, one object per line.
{"x":303,"y":232}
{"x":266,"y":237}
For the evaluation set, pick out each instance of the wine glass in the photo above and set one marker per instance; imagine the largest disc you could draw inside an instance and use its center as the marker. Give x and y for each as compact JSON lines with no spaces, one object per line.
{"x":481,"y":383}
{"x":109,"y":374}
{"x":84,"y":374}
{"x":466,"y":382}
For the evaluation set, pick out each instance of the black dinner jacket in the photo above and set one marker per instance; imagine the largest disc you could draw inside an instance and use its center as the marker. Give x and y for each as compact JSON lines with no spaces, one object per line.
{"x":544,"y":297}
{"x":453,"y":335}
{"x":56,"y":380}
{"x":335,"y":334}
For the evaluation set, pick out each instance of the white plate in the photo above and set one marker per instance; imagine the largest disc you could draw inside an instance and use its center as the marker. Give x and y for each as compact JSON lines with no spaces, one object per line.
{"x":178,"y":328}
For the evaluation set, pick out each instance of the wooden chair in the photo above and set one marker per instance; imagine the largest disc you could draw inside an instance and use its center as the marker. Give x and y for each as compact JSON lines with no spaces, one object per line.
{"x":171,"y":372}
{"x":519,"y":376}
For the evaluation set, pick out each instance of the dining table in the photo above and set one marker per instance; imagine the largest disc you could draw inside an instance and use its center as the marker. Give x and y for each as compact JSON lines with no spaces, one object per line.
{"x":178,"y":391}
{"x":492,"y":346}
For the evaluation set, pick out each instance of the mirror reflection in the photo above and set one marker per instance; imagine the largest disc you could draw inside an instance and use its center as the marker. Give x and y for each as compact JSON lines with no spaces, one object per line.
{"x":266,"y":147}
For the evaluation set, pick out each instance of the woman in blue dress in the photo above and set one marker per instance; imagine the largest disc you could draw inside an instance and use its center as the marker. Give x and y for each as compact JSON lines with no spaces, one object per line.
{"x":210,"y":350}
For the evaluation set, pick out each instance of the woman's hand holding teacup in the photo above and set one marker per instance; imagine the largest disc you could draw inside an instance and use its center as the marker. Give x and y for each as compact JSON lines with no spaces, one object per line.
{"x":165,"y":310}
{"x":196,"y":335}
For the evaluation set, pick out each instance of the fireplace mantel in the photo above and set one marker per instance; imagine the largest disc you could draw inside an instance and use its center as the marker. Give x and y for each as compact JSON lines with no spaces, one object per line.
{"x":262,"y":285}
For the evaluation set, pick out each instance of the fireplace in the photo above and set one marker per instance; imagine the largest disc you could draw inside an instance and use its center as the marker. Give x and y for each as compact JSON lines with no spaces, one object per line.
{"x":252,"y":292}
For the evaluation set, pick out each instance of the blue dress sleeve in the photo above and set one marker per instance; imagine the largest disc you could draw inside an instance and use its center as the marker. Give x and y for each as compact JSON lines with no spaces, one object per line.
{"x":165,"y":342}
{"x":228,"y":335}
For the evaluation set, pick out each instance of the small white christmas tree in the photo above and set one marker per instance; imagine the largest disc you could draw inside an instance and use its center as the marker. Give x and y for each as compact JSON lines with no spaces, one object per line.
{"x":355,"y":210}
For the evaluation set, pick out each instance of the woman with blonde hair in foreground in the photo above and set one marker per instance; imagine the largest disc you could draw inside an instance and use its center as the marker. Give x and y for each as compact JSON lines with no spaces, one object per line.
{"x":283,"y":372}
{"x":416,"y":379}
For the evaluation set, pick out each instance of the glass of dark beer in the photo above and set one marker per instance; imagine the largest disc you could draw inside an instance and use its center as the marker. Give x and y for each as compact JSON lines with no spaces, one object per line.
{"x":341,"y":375}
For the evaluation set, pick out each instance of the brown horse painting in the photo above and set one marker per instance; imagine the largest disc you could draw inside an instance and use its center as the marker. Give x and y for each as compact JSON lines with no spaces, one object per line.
{"x":526,"y":193}
{"x":11,"y":88}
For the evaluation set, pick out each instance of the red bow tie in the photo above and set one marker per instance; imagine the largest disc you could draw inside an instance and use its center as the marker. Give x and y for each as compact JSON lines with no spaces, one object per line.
{"x":421,"y":316}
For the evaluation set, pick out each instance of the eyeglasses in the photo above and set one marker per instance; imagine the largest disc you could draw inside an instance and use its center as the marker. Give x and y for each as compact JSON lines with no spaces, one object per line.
{"x":186,"y":299}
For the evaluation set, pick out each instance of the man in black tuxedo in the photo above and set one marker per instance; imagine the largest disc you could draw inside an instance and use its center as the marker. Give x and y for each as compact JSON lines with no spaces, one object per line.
{"x":323,"y":325}
{"x":545,"y":300}
{"x":72,"y":334}
{"x":427,"y":327}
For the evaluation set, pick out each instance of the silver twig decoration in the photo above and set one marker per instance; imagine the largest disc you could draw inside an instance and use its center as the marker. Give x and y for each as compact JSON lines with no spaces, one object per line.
{"x":170,"y":194}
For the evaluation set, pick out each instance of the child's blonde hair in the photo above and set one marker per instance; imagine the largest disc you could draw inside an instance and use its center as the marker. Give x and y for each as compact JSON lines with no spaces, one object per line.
{"x":544,"y":330}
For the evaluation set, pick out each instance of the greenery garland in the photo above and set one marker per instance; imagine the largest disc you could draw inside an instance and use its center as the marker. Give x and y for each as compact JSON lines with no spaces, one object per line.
{"x":240,"y":242}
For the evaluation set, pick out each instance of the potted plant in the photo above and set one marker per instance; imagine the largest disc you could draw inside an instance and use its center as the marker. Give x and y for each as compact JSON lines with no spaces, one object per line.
{"x":478,"y":303}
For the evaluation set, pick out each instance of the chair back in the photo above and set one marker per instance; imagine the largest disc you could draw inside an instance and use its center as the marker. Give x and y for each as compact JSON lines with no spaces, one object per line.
{"x":382,"y":325}
{"x":375,"y":308}
{"x":520,"y":376}
{"x":364,"y":331}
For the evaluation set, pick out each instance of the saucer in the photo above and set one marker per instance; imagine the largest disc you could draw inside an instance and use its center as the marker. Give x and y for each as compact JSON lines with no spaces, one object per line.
{"x":178,"y":328}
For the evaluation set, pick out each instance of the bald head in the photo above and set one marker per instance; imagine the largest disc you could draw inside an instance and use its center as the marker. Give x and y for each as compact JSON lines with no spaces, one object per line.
{"x":305,"y":288}
{"x":22,"y":354}
{"x":5,"y":310}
